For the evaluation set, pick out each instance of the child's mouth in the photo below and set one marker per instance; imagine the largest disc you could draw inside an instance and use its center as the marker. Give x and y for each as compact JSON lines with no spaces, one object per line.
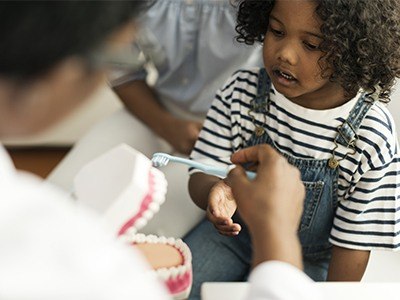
{"x":284,"y":78}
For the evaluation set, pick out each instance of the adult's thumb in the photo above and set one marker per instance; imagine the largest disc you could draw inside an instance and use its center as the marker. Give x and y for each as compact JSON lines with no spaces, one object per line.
{"x":238,"y":181}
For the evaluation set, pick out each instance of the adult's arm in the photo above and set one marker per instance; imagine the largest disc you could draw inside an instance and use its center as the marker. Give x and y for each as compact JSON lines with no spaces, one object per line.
{"x":271,"y":205}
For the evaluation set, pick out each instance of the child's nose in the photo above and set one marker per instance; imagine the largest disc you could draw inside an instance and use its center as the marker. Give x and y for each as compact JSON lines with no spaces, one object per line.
{"x":287,"y":53}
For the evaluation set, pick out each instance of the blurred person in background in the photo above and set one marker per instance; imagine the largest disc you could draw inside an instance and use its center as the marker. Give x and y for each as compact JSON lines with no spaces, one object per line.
{"x":53,"y":55}
{"x":189,"y":50}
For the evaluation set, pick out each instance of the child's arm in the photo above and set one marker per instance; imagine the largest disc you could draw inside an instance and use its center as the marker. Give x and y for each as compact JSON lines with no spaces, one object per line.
{"x":200,"y":185}
{"x":347,"y":264}
{"x":214,"y":196}
{"x":142,"y":101}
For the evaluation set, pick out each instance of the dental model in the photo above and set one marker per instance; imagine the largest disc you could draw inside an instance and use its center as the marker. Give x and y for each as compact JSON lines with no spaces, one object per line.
{"x":123,"y":187}
{"x":170,"y":258}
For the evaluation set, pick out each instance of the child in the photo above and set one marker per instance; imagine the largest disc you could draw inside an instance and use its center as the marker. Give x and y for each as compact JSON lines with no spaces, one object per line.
{"x":329,"y":65}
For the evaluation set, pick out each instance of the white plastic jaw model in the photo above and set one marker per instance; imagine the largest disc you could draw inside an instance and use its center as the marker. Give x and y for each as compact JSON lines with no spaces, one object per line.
{"x":176,"y":276}
{"x":123,"y":187}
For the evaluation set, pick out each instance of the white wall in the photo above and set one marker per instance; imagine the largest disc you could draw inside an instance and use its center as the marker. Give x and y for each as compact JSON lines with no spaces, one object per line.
{"x":394,"y":107}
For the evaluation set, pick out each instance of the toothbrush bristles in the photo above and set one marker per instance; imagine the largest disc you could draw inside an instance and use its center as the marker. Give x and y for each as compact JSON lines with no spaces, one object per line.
{"x":159,"y":161}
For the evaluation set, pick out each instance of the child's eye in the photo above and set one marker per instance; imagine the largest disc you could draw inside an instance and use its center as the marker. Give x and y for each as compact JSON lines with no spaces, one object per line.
{"x":276,"y":32}
{"x":310,"y":46}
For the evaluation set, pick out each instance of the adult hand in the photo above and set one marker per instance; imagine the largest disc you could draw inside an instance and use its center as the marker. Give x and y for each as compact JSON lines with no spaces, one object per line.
{"x":220,"y":209}
{"x":271,"y":204}
{"x":181,"y":134}
{"x":277,"y":191}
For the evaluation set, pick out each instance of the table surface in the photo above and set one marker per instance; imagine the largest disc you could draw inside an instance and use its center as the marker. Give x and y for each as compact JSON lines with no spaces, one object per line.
{"x":330,"y":290}
{"x":382,"y":277}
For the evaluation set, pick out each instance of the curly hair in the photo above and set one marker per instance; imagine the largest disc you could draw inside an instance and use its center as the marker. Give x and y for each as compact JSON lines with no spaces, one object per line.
{"x":361,"y":40}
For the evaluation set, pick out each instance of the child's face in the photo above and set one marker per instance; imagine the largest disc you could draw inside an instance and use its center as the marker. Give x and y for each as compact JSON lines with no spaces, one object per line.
{"x":291,"y":56}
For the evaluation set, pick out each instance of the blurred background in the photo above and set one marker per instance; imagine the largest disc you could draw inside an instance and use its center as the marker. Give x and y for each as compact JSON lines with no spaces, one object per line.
{"x":40,"y":154}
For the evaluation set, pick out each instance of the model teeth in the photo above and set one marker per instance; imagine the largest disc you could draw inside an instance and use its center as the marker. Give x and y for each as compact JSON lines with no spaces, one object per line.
{"x":163,"y":273}
{"x":174,"y":272}
{"x":148,"y":214}
{"x":141,"y":222}
{"x":158,"y":198}
{"x":171,"y":241}
{"x":170,"y":274}
{"x":138,"y":238}
{"x":142,"y":238}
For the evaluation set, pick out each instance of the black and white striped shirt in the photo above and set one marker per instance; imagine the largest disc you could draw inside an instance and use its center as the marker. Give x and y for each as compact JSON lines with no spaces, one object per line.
{"x":368,"y":214}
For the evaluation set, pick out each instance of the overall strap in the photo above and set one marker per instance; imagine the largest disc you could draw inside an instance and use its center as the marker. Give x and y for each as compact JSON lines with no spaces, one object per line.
{"x":264,"y":83}
{"x":260,"y":102}
{"x":347,"y":132}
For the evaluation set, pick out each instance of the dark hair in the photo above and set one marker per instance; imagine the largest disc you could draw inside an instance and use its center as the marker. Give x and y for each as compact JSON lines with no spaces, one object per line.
{"x":35,"y":35}
{"x":361,"y":39}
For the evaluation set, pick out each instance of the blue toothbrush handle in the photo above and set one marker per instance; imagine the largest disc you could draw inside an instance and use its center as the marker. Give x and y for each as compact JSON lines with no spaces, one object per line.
{"x":189,"y":162}
{"x":217,"y":171}
{"x":221,"y":172}
{"x":251,"y":175}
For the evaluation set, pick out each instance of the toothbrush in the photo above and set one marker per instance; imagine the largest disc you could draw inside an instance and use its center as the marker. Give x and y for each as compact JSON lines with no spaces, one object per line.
{"x":162,"y":159}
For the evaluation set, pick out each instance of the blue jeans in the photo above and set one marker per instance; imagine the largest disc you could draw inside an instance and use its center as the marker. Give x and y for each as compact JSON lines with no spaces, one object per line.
{"x":221,"y":258}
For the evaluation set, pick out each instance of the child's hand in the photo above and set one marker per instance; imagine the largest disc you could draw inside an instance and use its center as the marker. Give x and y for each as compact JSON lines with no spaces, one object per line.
{"x":220,"y":209}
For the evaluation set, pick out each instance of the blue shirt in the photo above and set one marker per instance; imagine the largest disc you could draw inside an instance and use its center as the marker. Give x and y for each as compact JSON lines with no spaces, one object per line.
{"x":192,"y":46}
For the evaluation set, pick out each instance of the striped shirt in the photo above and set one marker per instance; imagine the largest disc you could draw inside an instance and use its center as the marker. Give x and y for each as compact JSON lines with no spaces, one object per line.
{"x":368,"y":214}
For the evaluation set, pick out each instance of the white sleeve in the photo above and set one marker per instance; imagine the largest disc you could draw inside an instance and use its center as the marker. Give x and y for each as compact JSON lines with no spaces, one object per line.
{"x":280,"y":281}
{"x":50,"y":249}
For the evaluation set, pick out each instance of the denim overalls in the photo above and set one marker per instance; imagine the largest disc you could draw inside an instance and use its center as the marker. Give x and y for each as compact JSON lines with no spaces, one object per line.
{"x":220,"y":258}
{"x":320,"y":176}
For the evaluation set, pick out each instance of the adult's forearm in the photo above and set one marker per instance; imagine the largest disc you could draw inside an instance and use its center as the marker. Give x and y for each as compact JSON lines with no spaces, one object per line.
{"x":200,"y":185}
{"x":141,"y":101}
{"x":274,"y":242}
